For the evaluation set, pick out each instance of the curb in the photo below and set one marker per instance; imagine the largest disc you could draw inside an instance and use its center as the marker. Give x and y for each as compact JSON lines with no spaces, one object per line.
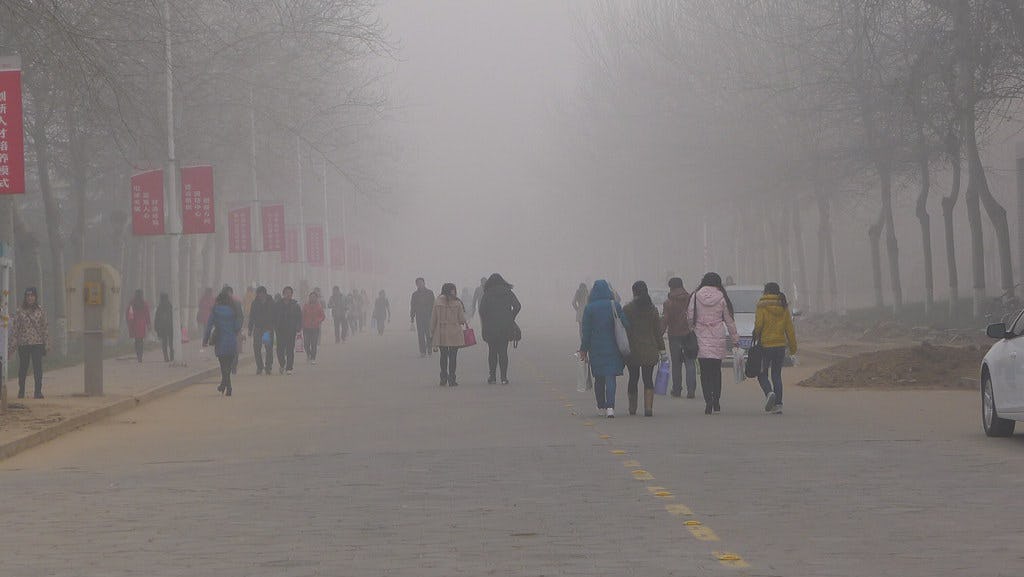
{"x":37,"y":438}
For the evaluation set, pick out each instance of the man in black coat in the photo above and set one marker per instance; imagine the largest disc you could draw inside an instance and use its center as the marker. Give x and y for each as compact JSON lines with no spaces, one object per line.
{"x":261,"y":321}
{"x":420,"y":308}
{"x":287,"y":324}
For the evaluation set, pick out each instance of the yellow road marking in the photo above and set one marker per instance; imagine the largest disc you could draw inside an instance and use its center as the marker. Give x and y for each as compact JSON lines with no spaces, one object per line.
{"x":643,"y":476}
{"x":606,"y":436}
{"x":731,"y":560}
{"x":701,"y":531}
{"x":678,"y":509}
{"x":663,"y":494}
{"x":654,"y":490}
{"x":618,"y":452}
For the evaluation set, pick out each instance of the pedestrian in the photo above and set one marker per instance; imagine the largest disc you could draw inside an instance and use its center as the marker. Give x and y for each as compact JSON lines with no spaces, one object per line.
{"x":676,"y":324}
{"x":478,"y":294}
{"x":579,"y":302}
{"x":287,"y":323}
{"x":381,"y":312}
{"x":498,"y":310}
{"x":29,"y":335}
{"x":421,"y":306}
{"x":222,"y":330}
{"x":598,"y":346}
{"x":364,"y":308}
{"x":773,"y":326}
{"x":447,"y":320}
{"x":205,"y":306}
{"x":467,"y":297}
{"x":312,"y":317}
{"x":138,"y":318}
{"x":646,"y":346}
{"x":239,"y":312}
{"x":247,"y":300}
{"x":163,"y":324}
{"x":354,"y":313}
{"x":710,"y":308}
{"x":339,"y":309}
{"x":261,"y":330}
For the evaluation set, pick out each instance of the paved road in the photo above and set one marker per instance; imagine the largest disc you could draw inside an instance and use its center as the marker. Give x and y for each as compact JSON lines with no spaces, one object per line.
{"x":363,"y":466}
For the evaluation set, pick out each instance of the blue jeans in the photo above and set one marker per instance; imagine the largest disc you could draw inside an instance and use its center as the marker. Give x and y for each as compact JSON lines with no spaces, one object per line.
{"x":679,"y":360}
{"x":773,"y":358}
{"x":604,"y":390}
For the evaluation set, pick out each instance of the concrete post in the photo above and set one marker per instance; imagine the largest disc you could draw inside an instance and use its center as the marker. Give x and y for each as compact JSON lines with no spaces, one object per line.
{"x":92,"y":336}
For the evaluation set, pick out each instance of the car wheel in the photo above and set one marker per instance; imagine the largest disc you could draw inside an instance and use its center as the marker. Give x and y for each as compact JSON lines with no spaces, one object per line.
{"x":995,"y":426}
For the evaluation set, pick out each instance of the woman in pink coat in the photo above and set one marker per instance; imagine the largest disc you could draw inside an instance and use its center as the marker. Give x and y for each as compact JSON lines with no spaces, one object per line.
{"x":709,"y":309}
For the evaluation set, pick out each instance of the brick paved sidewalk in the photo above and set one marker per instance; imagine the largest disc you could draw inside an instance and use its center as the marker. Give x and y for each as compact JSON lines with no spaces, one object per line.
{"x":123,"y":378}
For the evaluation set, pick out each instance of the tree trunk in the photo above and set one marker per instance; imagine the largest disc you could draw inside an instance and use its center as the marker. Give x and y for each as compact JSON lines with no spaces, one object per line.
{"x":875,"y":240}
{"x":79,"y":175}
{"x":924,"y":219}
{"x":827,"y":283}
{"x":948,"y":204}
{"x":892,"y":248}
{"x":801,"y":260}
{"x":54,"y":226}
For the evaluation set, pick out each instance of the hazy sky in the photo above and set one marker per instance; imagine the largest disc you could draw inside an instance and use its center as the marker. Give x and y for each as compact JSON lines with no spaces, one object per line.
{"x":477,"y":82}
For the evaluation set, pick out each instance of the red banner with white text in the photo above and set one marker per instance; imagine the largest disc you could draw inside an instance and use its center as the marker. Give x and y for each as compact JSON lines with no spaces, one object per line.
{"x":148,"y":203}
{"x":12,"y":134}
{"x":197,"y":200}
{"x":273,"y":227}
{"x":315,"y":245}
{"x":240,"y":229}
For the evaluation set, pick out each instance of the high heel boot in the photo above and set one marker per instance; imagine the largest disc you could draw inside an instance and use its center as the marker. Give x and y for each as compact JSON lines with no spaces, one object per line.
{"x":648,"y":402}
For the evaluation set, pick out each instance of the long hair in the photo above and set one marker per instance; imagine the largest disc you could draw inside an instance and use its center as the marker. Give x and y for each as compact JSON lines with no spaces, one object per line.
{"x":496,"y":280}
{"x":24,"y":299}
{"x":712,"y":279}
{"x":449,"y":291}
{"x":641,"y":296}
{"x":773,"y":288}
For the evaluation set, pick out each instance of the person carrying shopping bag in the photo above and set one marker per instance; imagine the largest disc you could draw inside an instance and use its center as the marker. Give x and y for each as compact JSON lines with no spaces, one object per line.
{"x":646,"y":346}
{"x":709,"y":309}
{"x":599,"y":347}
{"x":773,"y":327}
{"x":447,"y":322}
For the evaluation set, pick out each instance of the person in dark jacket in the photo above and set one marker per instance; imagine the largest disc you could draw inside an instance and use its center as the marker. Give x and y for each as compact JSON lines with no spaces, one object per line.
{"x":646,"y":346}
{"x":163,"y":324}
{"x":261,"y":330}
{"x":477,"y":295}
{"x":338,"y":304}
{"x":222,"y":330}
{"x":287,"y":324}
{"x":677,"y":326}
{"x":381,"y":312}
{"x":421,"y":306}
{"x":498,"y":310}
{"x":598,"y":345}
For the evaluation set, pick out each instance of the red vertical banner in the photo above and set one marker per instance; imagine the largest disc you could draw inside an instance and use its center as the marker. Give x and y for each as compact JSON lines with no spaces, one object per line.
{"x":12,"y":134}
{"x":273,"y":227}
{"x":197,"y":200}
{"x":338,"y":252}
{"x":290,"y":251}
{"x":240,"y":229}
{"x":148,"y":203}
{"x":315,"y":245}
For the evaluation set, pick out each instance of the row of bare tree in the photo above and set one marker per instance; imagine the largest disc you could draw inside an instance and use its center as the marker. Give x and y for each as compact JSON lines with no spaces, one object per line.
{"x":253,"y":81}
{"x":756,"y":108}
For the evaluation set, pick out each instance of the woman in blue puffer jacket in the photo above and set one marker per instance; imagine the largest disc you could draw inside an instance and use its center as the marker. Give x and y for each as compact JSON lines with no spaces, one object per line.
{"x":223,"y":329}
{"x":598,"y":347}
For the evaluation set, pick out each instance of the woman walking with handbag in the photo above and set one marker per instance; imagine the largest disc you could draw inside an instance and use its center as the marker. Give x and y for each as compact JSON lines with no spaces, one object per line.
{"x":708,"y":310}
{"x":773,"y":327}
{"x":447,"y":320}
{"x":498,"y":310}
{"x":222,"y":329}
{"x":646,"y":346}
{"x":599,"y":347}
{"x":682,"y":342}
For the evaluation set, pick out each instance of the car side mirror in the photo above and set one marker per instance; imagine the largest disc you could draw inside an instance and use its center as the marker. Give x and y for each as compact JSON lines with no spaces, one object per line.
{"x":996,"y":331}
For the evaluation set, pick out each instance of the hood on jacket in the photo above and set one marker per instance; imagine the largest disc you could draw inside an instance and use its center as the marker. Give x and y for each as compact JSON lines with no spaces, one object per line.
{"x":679,"y":294}
{"x":601,"y":292}
{"x":770,"y":301}
{"x":709,"y":296}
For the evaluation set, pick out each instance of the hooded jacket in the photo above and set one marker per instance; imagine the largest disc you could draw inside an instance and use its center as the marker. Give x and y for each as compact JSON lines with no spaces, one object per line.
{"x":498,"y":310}
{"x":228,"y":321}
{"x":712,"y":313}
{"x":774,"y":324}
{"x":597,"y":332}
{"x":674,"y":319}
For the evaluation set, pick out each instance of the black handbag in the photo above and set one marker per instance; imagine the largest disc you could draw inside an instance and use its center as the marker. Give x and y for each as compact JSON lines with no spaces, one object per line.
{"x":691,"y":347}
{"x":755,"y":359}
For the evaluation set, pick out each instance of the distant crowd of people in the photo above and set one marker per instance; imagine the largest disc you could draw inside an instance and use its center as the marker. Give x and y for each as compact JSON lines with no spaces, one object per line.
{"x":701,"y":332}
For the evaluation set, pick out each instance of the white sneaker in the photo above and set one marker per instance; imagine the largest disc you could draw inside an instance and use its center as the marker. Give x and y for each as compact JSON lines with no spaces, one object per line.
{"x":314,"y":361}
{"x":288,"y":372}
{"x":769,"y":402}
{"x":610,"y":412}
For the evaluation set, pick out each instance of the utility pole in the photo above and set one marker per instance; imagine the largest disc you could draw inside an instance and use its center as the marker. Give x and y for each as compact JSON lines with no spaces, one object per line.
{"x":327,"y":233}
{"x":257,"y":214}
{"x":173,"y":202}
{"x":302,"y":210}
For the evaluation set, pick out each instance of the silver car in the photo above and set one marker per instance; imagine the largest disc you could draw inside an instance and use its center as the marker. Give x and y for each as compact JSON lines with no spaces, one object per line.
{"x":1002,"y":378}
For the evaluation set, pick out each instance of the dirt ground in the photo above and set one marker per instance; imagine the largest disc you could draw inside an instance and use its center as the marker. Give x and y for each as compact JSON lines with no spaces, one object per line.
{"x":924,"y":366}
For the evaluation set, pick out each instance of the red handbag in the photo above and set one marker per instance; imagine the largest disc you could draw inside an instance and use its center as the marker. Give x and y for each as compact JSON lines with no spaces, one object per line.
{"x":470,"y":336}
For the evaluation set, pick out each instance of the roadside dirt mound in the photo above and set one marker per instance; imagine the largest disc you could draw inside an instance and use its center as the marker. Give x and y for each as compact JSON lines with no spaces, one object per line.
{"x":925,"y":366}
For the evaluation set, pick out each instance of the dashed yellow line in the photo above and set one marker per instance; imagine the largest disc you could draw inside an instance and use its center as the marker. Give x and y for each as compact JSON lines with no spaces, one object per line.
{"x":731,"y":560}
{"x":701,"y":531}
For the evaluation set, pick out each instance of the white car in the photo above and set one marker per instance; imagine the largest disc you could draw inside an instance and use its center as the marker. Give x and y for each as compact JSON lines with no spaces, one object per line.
{"x":1002,"y":378}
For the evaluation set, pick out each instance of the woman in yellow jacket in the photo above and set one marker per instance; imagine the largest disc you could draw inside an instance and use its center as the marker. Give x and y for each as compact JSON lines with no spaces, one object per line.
{"x":774,"y":326}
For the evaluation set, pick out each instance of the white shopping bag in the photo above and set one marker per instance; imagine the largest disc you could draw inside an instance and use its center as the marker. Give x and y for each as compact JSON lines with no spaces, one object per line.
{"x":584,"y":380}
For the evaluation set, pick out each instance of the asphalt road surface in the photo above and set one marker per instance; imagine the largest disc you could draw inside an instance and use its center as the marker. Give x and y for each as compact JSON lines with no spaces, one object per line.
{"x":363,"y":466}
